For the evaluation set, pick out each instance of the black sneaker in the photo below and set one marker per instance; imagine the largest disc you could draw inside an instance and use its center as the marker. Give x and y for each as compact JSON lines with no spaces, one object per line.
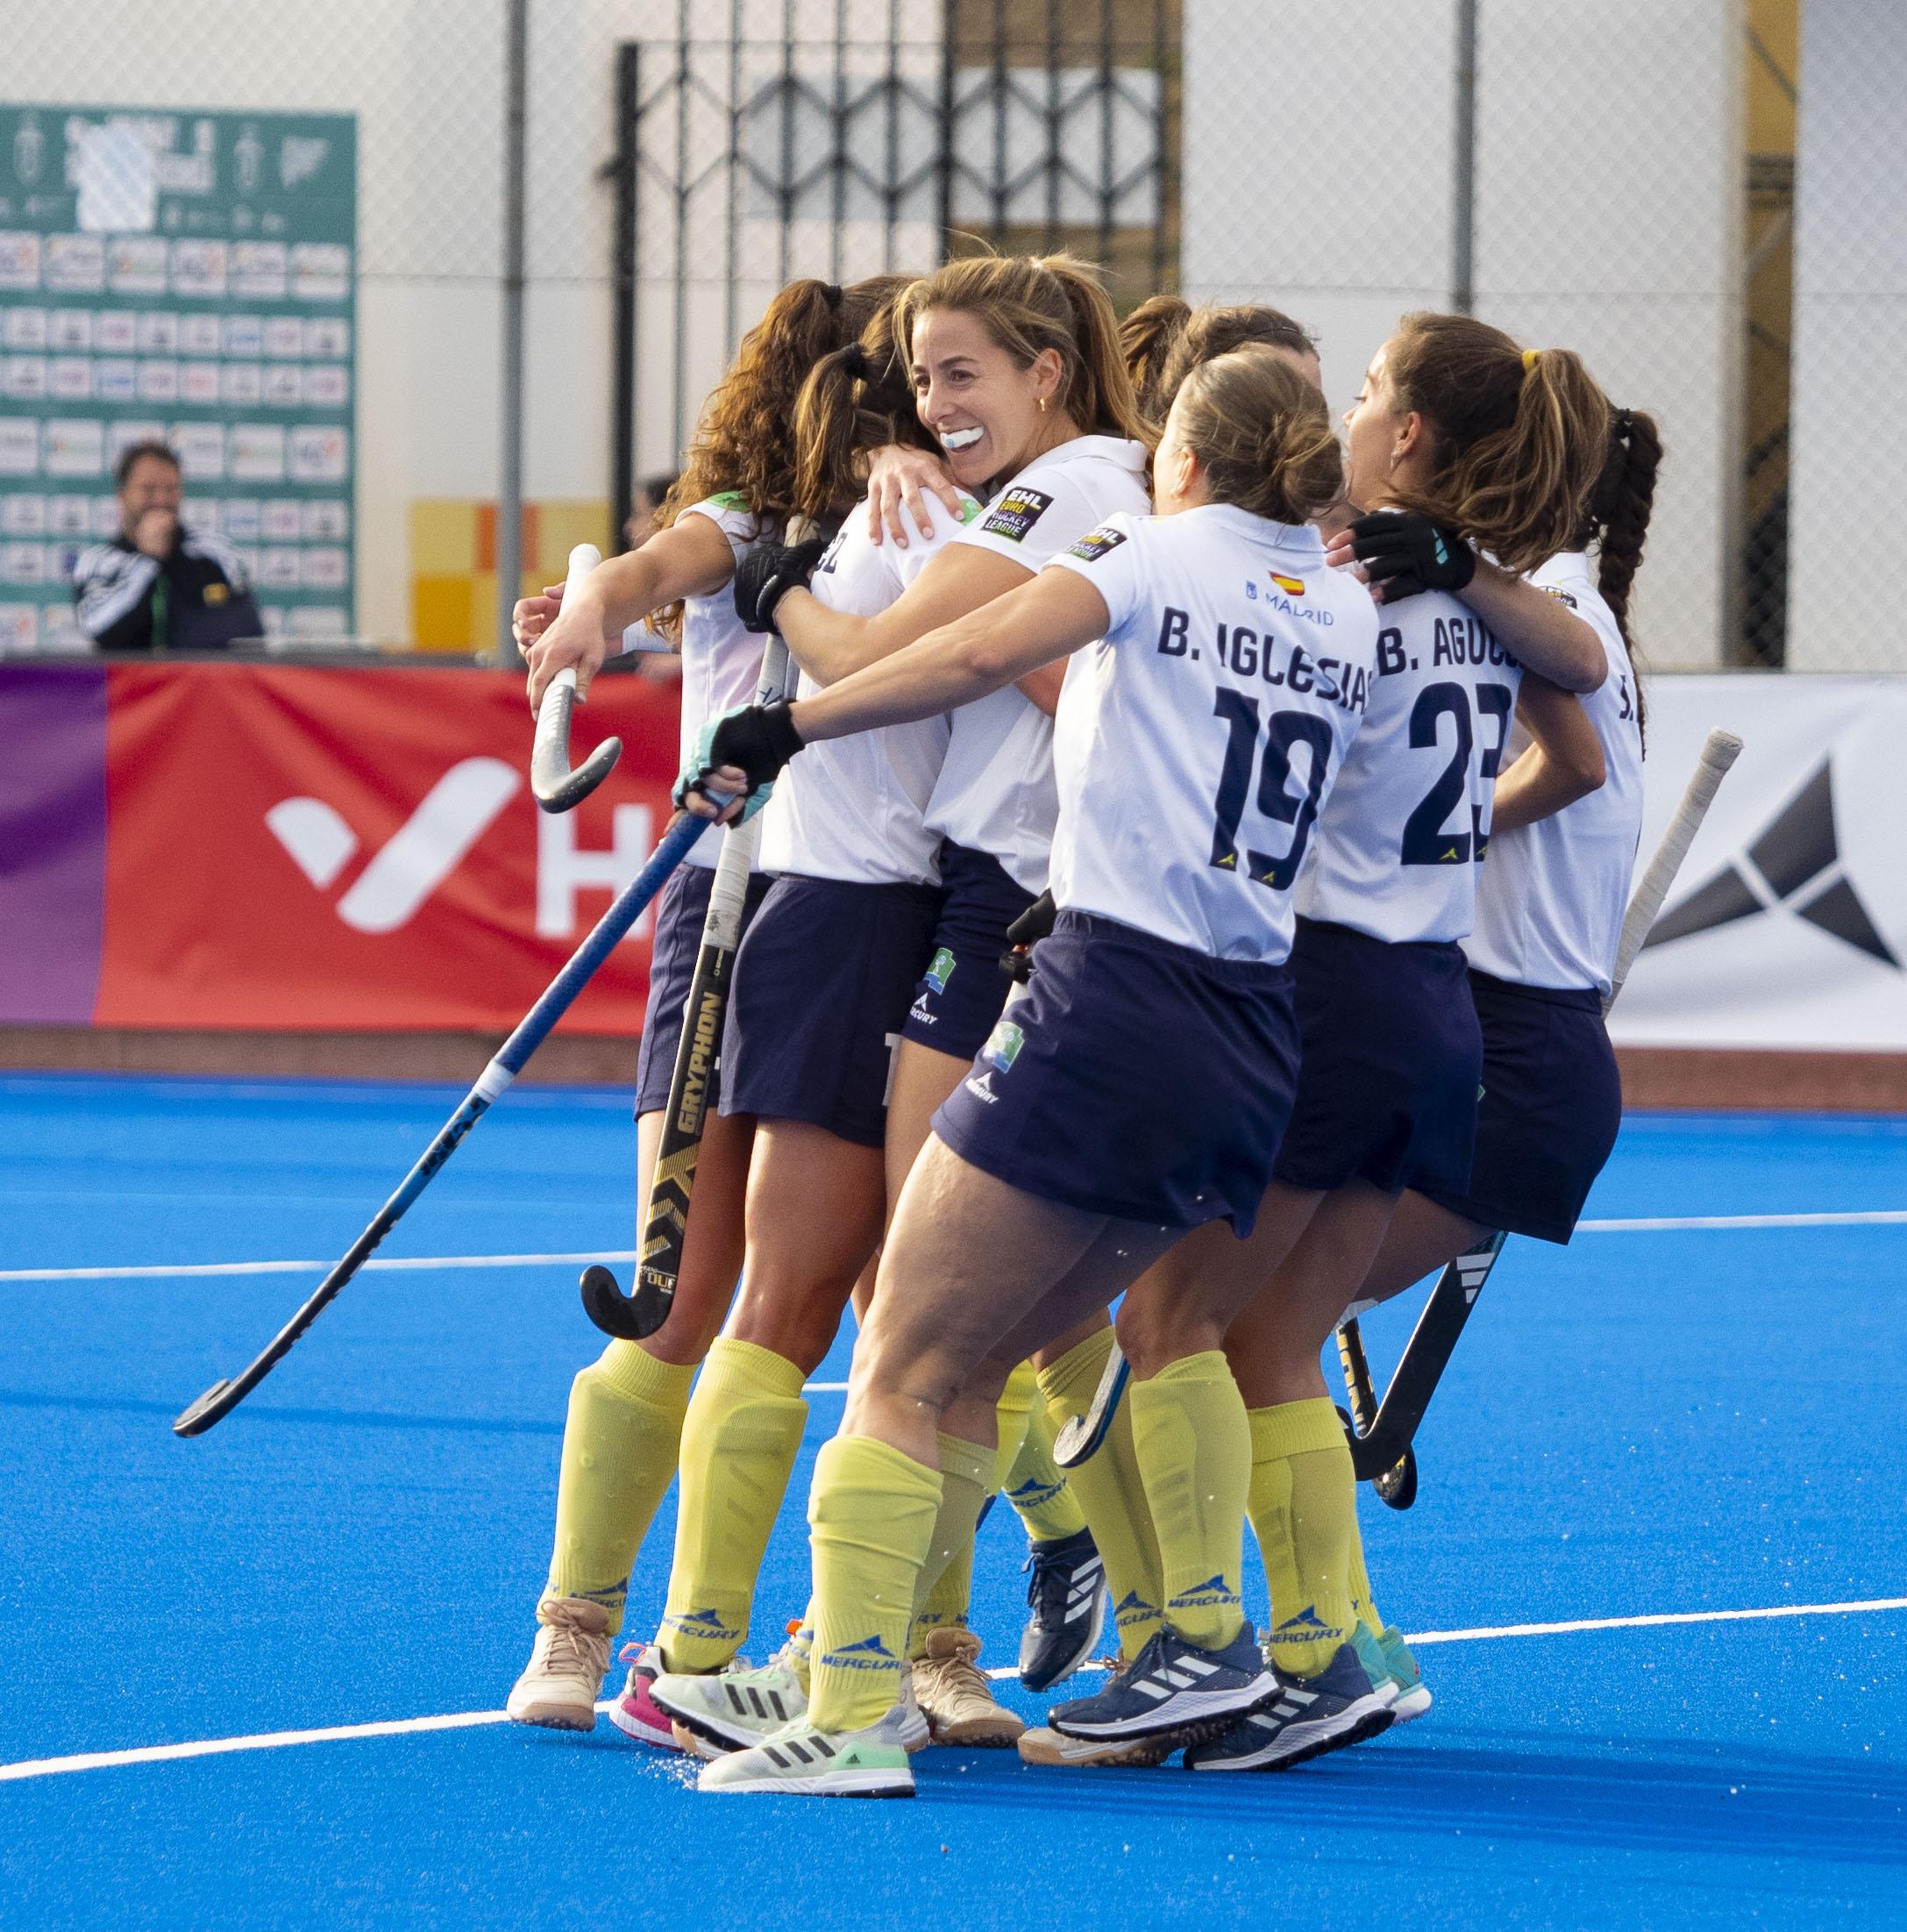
{"x":1309,"y":1716}
{"x":1067,"y":1595}
{"x":1174,"y":1685}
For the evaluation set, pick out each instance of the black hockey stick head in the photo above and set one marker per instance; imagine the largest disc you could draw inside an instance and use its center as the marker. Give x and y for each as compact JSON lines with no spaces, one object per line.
{"x":200,"y":1416}
{"x":1081,"y":1438}
{"x":556,"y":789}
{"x":628,"y":1317}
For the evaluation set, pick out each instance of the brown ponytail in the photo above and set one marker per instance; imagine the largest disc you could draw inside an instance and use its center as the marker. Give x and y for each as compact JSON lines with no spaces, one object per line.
{"x":1517,"y":438}
{"x":1165,"y":338}
{"x":855,"y":399}
{"x":1616,"y":521}
{"x":1262,"y":435}
{"x":1028,"y":304}
{"x":743,"y":441}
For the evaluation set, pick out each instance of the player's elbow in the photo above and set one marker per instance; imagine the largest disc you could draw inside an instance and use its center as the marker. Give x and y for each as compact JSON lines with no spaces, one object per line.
{"x":1581,"y":768}
{"x":1582,"y":664}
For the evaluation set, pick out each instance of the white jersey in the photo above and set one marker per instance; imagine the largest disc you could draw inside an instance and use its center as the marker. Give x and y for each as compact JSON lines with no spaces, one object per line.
{"x":853,"y":807}
{"x":1549,"y":905}
{"x":720,"y":660}
{"x":1196,"y":744}
{"x":1400,"y":844}
{"x":996,"y":792}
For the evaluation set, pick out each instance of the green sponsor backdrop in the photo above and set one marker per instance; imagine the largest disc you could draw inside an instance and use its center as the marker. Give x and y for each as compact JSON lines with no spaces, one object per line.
{"x":190,"y":276}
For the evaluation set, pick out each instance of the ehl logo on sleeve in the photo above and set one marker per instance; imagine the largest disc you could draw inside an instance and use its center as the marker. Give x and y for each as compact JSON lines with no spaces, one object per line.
{"x":1016,"y":512}
{"x":1095,"y":544}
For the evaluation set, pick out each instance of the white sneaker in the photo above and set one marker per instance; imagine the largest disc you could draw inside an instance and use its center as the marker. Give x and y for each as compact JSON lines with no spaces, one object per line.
{"x":798,"y":1761}
{"x":734,"y":1710}
{"x":560,"y":1689}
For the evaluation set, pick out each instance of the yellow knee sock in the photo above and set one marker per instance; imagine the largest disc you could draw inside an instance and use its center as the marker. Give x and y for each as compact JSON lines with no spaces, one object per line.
{"x":1194,"y":1446}
{"x":1304,"y":1507}
{"x":1029,"y":1478}
{"x":872,"y":1514}
{"x":739,"y":1441}
{"x":619,"y":1453}
{"x":946,"y":1584}
{"x":1361,"y":1598}
{"x":1111,"y":1493}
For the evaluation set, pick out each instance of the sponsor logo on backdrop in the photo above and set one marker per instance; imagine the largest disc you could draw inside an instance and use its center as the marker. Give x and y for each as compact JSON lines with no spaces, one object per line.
{"x":1795,"y":867}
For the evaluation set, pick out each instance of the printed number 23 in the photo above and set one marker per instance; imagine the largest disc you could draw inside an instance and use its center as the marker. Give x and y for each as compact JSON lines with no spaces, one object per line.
{"x":1276,"y":799}
{"x":1425,"y":843}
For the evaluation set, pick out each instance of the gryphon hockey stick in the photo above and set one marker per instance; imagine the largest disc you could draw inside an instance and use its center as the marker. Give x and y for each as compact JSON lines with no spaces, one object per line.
{"x":556,"y":787}
{"x":1382,"y":1434}
{"x":631,"y":903}
{"x":694,"y":1085}
{"x":694,"y":1082}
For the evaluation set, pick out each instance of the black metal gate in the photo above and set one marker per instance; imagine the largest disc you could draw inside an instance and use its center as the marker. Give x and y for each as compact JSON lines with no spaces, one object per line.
{"x":799,"y":142}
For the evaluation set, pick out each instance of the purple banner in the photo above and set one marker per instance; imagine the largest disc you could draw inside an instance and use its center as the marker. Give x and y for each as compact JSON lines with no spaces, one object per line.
{"x":53,"y":841}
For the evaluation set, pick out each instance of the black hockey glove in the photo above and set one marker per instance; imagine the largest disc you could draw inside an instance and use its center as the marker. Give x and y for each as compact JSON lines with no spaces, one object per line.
{"x":768,"y":571}
{"x":1405,"y":552}
{"x":1031,"y":926}
{"x":759,"y":739}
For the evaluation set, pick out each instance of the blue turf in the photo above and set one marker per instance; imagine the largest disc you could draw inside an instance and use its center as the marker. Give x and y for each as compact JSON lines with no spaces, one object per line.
{"x":1652,"y":1422}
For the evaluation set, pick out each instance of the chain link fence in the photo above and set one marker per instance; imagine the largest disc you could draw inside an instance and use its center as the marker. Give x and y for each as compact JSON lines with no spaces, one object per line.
{"x":1620,"y":180}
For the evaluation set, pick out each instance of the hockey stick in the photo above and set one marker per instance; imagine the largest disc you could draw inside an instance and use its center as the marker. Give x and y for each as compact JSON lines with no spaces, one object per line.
{"x":1382,"y":1434}
{"x":694,"y":1085}
{"x":556,"y":789}
{"x":222,"y":1398}
{"x":1083,"y":1434}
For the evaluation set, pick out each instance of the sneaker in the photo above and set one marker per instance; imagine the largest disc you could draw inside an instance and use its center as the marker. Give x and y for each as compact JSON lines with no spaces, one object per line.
{"x":1047,"y":1746}
{"x":1067,"y":1595}
{"x":634,"y":1712}
{"x":1308,"y":1716}
{"x":560,"y":1689}
{"x":798,"y":1761}
{"x":1173,"y":1687}
{"x":1371,"y":1655}
{"x":734,"y":1710}
{"x":954,"y":1695}
{"x":1413,"y":1693}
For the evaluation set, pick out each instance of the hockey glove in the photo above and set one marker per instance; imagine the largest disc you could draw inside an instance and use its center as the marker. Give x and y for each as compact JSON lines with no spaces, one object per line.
{"x":768,"y":573}
{"x":1023,"y":934}
{"x":758,"y":738}
{"x":1404,"y":552}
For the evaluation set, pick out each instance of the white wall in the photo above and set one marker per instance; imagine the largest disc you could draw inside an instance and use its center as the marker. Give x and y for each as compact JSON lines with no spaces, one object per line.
{"x":1317,"y":175}
{"x":1848,"y":450}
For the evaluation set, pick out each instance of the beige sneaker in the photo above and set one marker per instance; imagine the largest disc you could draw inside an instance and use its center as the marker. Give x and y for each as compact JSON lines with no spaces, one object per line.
{"x":1045,"y":1746}
{"x":566,"y":1669}
{"x":954,"y":1696}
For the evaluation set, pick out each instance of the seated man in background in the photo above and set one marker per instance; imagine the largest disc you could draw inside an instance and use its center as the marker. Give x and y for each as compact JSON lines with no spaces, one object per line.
{"x":157,"y":586}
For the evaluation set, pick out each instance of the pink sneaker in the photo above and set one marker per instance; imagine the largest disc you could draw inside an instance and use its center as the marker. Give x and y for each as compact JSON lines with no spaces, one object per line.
{"x":633,"y":1713}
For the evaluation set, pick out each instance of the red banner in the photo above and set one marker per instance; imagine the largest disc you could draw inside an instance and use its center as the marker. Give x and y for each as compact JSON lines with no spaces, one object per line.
{"x":313,"y":850}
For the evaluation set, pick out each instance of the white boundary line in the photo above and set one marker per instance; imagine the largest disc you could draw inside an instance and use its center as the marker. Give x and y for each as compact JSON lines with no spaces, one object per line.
{"x":1867,"y":1217}
{"x":212,"y":1747}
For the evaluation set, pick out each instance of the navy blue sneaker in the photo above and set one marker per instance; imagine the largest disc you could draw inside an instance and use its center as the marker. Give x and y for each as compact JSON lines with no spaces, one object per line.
{"x":1067,"y":1596}
{"x":1309,"y":1716}
{"x":1173,"y":1686}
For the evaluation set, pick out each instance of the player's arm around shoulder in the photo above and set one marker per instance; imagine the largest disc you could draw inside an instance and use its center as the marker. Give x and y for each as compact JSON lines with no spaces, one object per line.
{"x":978,"y":652}
{"x":1541,"y":631}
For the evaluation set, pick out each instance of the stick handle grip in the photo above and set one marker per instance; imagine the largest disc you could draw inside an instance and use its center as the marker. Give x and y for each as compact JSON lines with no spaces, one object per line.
{"x":1719,"y":752}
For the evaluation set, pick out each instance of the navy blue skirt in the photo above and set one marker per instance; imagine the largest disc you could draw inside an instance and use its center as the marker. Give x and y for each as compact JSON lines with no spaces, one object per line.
{"x":960,"y":995}
{"x":1392,"y":1059}
{"x":820,"y":992}
{"x":1551,"y":1109}
{"x":1133,"y":1077}
{"x":672,"y":969}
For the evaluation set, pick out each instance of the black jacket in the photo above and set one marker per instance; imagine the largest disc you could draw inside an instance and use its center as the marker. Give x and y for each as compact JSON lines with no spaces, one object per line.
{"x":204,"y":603}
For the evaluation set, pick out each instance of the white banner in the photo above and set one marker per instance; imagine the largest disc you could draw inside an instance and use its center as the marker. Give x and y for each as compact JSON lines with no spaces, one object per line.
{"x":1788,"y":924}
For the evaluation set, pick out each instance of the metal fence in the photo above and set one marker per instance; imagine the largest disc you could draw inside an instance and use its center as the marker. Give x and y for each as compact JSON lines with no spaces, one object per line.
{"x":619,"y":185}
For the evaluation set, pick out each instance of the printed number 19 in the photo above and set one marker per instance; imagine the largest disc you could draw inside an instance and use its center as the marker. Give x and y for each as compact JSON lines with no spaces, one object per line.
{"x":1276,"y":799}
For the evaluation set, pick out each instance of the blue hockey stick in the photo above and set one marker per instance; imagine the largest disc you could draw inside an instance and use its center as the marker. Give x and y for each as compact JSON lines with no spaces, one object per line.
{"x":631,"y":903}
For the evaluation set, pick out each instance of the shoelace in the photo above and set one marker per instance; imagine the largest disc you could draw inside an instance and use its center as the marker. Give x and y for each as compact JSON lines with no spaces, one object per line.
{"x":1049,"y":1588}
{"x":565,"y":1652}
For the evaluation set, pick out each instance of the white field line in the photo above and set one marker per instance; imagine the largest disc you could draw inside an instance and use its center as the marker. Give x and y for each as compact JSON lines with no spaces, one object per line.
{"x":212,"y":1747}
{"x":1868,"y":1217}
